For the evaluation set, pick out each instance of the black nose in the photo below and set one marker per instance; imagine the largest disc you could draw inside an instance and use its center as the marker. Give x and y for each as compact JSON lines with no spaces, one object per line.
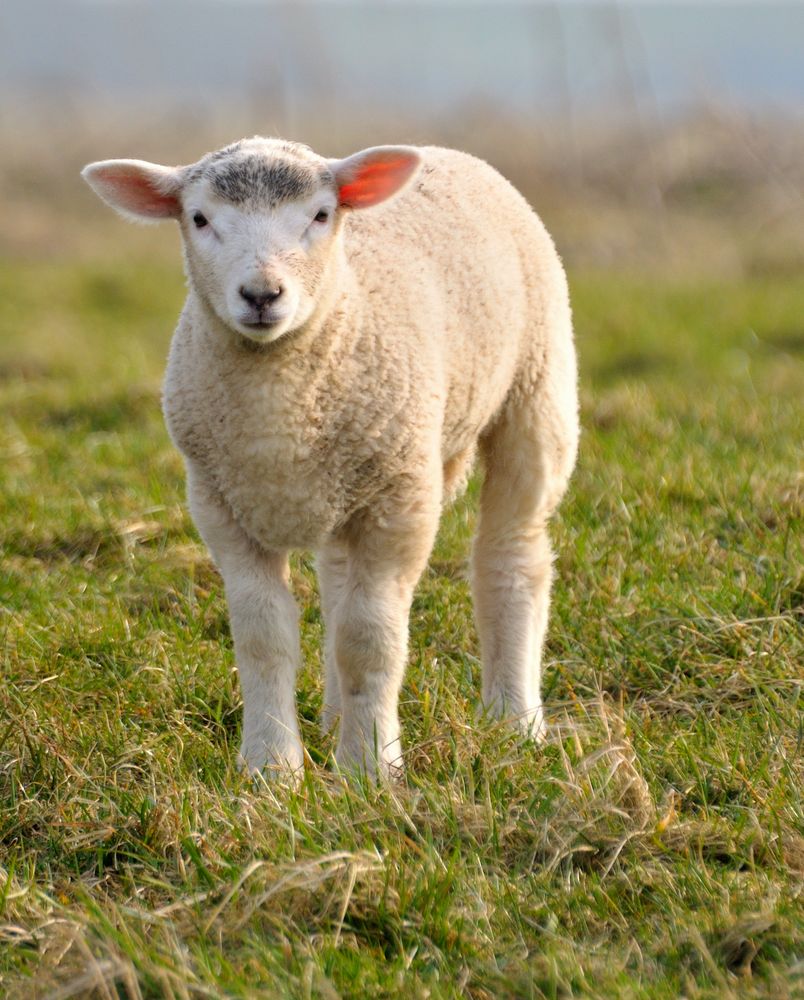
{"x":262,"y":296}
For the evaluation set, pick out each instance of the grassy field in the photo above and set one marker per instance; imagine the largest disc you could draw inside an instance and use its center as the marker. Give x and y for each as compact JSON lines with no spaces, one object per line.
{"x":653,"y":848}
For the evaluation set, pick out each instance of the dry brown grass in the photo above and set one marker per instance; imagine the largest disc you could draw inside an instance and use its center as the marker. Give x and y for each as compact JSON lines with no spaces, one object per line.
{"x":711,"y":190}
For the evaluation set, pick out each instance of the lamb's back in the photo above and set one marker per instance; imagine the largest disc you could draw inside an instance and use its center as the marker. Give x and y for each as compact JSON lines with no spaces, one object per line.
{"x":458,"y":270}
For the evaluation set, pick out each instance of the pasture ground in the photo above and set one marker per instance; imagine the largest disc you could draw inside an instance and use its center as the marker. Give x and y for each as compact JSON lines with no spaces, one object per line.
{"x":653,"y":848}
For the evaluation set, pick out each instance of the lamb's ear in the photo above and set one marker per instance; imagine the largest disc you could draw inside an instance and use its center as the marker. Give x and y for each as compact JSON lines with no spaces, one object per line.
{"x":136,"y":189}
{"x":369,"y":177}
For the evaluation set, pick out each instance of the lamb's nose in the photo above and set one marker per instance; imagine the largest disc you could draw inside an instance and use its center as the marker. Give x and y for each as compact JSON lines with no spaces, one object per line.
{"x":263,"y":296}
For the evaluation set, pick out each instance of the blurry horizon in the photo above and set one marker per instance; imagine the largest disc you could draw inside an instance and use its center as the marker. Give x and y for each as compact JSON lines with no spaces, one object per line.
{"x":537,"y":60}
{"x":648,"y":135}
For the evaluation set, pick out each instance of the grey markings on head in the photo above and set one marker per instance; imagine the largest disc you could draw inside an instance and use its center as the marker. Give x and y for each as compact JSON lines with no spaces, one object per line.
{"x":263,"y":171}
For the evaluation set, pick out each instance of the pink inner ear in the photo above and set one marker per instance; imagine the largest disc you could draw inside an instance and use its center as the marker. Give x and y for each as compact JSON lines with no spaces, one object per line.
{"x":376,"y":181}
{"x":137,"y":192}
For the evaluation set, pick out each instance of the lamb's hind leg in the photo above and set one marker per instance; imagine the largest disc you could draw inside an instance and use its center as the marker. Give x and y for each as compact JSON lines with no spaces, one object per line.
{"x":332,"y":564}
{"x":529,"y":454}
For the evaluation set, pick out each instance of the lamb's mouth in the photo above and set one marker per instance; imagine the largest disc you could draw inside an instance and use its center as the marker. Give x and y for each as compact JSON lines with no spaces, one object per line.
{"x":261,"y":324}
{"x":263,"y":329}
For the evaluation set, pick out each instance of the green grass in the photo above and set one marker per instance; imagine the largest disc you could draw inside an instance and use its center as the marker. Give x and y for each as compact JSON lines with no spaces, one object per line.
{"x":653,"y":848}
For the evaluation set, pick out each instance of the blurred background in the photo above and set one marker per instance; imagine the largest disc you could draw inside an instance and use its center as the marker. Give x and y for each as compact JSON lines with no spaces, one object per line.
{"x":649,"y":136}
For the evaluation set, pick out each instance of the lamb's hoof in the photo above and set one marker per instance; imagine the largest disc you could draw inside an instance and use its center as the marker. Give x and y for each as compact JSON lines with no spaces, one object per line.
{"x":364,"y":764}
{"x":529,"y":723}
{"x":537,"y":730}
{"x":272,"y":768}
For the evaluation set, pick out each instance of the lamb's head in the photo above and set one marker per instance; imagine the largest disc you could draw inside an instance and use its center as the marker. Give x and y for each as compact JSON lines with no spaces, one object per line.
{"x":260,"y":221}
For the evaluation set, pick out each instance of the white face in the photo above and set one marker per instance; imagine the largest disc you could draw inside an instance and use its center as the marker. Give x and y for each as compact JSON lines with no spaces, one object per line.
{"x":258,"y":268}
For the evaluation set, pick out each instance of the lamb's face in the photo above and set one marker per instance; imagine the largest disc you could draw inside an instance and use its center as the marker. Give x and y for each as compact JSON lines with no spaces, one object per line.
{"x":259,"y":221}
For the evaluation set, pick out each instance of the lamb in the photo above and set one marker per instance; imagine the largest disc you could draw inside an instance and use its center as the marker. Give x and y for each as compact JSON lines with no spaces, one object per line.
{"x":354,"y":330}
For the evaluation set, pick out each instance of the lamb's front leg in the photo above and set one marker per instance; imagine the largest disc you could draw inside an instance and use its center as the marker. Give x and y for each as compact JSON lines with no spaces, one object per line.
{"x":371,"y":650}
{"x":371,"y":634}
{"x":264,"y":622}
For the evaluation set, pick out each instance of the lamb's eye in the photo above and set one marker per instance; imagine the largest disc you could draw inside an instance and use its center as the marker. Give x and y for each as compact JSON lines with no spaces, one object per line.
{"x":322,"y":216}
{"x":200,"y":220}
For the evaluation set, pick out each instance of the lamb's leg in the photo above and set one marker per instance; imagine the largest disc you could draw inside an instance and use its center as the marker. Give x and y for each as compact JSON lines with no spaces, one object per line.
{"x":511,"y":582}
{"x":332,"y":566}
{"x":529,"y":454}
{"x":264,"y":623}
{"x":386,"y":558}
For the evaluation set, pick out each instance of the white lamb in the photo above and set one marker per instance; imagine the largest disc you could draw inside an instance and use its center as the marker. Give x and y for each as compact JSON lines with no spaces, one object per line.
{"x":334,"y":368}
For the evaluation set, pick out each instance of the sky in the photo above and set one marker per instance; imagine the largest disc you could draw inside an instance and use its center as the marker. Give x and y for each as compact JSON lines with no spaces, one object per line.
{"x":525,"y":57}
